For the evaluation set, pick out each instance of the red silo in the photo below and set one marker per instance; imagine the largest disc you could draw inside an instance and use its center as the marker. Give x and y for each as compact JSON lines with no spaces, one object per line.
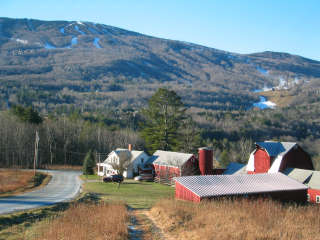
{"x":206,"y":161}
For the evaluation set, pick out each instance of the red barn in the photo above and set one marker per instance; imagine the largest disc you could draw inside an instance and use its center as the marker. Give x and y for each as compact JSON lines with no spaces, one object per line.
{"x":272,"y":157}
{"x":168,"y":165}
{"x":276,"y":185}
{"x":308,"y":177}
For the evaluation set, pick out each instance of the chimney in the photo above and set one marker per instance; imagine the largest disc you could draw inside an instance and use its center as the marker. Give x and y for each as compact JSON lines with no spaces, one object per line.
{"x":130,"y":147}
{"x":206,"y":160}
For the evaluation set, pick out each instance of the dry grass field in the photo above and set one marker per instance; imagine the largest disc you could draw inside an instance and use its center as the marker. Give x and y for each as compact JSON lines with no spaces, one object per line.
{"x":241,"y":219}
{"x":87,"y":221}
{"x":12,"y":180}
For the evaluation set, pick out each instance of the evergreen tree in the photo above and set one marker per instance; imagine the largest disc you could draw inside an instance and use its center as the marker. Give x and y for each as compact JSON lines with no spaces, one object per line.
{"x":27,"y":114}
{"x":88,"y":164}
{"x":163,"y":119}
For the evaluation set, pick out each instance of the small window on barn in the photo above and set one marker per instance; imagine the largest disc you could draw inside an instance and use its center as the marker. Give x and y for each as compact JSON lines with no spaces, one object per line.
{"x":141,"y":160}
{"x":308,"y":197}
{"x":317,"y":199}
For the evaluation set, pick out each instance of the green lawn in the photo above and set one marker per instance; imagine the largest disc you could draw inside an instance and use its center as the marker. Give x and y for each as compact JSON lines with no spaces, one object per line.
{"x":90,"y":177}
{"x":135,"y":194}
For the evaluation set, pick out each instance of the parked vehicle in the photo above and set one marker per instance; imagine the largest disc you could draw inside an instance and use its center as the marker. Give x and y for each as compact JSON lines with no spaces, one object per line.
{"x":113,"y":178}
{"x":144,"y":177}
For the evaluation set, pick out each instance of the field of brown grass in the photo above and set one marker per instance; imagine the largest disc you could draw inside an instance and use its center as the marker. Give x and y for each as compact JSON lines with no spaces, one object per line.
{"x":12,"y":180}
{"x":107,"y":221}
{"x":242,"y":219}
{"x":63,"y":167}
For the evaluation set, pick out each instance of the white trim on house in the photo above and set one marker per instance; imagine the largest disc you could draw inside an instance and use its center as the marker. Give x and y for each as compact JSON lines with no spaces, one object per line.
{"x":137,"y":159}
{"x":317,"y":199}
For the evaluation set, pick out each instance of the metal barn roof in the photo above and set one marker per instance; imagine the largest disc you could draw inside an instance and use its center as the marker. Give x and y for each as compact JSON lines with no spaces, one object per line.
{"x":228,"y":185}
{"x":314,"y":182}
{"x":276,"y":148}
{"x":301,"y":175}
{"x":167,"y":158}
{"x":235,"y":168}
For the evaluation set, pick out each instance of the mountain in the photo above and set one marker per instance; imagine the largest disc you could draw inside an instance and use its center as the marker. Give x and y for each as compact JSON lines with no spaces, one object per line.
{"x":54,"y":64}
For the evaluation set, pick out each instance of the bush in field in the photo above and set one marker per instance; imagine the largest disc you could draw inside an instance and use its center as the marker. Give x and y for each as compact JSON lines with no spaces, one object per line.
{"x":89,"y":164}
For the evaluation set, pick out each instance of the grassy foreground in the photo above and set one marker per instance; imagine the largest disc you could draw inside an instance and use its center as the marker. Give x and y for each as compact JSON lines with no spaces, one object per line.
{"x":238,"y":220}
{"x":83,"y":222}
{"x":135,"y":194}
{"x":17,"y":181}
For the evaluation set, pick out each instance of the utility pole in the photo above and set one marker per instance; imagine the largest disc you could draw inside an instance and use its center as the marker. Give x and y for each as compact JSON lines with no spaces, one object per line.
{"x":36,"y":149}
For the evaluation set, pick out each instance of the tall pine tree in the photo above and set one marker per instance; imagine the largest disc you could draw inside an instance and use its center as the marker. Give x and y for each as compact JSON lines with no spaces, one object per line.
{"x":163,"y":118}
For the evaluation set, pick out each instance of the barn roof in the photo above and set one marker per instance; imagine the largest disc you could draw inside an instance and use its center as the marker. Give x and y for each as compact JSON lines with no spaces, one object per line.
{"x":235,"y":168}
{"x":276,"y":148}
{"x":301,"y":175}
{"x":314,"y":182}
{"x":167,"y":158}
{"x":228,"y":185}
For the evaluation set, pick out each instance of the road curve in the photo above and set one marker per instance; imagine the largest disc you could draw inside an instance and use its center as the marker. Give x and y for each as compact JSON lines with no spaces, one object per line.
{"x":64,"y":185}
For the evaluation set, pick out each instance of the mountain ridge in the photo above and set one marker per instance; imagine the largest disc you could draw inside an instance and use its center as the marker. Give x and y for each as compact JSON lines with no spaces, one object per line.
{"x":72,"y":61}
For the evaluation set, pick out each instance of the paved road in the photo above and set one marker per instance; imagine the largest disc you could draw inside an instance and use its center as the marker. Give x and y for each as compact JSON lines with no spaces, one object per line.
{"x":63,"y":186}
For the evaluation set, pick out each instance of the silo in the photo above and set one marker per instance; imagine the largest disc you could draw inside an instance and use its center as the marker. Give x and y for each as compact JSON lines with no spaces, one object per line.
{"x":206,"y":161}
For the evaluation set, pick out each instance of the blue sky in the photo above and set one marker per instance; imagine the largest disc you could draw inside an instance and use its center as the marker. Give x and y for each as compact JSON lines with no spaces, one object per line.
{"x":242,"y":26}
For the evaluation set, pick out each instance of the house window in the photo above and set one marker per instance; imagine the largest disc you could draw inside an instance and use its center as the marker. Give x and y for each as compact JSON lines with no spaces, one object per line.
{"x":317,"y":199}
{"x":141,"y":160}
{"x":308,"y":197}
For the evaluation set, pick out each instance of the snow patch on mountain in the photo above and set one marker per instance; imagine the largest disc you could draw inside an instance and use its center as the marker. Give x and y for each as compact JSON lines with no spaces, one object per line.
{"x":96,"y":43}
{"x":21,"y":41}
{"x":262,"y":71}
{"x":74,"y":41}
{"x":78,"y":30}
{"x":49,"y":46}
{"x":264,"y":103}
{"x":81,"y":23}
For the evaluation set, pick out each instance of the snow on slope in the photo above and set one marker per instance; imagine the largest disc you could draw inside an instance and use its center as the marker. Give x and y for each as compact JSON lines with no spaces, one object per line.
{"x":78,"y":30}
{"x":96,"y":43}
{"x":264,"y":103}
{"x":49,"y":46}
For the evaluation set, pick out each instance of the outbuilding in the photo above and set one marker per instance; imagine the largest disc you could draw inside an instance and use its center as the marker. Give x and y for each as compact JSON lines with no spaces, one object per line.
{"x":168,"y":165}
{"x":276,"y":185}
{"x":309,"y":178}
{"x":272,"y":157}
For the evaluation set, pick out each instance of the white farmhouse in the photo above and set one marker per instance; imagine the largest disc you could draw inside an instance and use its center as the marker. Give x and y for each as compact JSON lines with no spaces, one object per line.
{"x":137,"y":160}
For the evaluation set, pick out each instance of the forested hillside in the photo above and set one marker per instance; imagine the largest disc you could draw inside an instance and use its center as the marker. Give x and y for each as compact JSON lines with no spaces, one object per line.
{"x":55,"y":65}
{"x":90,"y":83}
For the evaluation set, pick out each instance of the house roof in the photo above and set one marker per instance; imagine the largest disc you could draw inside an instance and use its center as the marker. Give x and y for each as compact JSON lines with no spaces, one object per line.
{"x":167,"y":158}
{"x":301,"y":175}
{"x":276,"y":148}
{"x":125,"y":153}
{"x":228,"y":185}
{"x":235,"y":168}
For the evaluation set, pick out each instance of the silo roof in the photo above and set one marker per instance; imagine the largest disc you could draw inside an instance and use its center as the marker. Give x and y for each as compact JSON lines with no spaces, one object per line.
{"x":232,"y":185}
